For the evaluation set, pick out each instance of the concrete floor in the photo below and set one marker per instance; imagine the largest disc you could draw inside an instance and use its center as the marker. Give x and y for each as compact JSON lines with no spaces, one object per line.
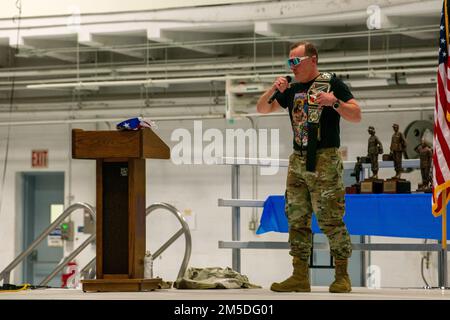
{"x":318,"y":293}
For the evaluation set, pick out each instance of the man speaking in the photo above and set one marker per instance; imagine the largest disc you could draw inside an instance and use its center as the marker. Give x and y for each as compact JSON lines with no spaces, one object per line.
{"x":316,"y":102}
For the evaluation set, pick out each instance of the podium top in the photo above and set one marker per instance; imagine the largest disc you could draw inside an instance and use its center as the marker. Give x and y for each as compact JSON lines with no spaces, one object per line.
{"x":142,"y":143}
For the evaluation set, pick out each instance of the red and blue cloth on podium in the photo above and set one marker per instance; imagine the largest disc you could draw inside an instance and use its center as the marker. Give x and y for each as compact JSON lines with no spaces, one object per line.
{"x":397,"y":215}
{"x":134,"y":124}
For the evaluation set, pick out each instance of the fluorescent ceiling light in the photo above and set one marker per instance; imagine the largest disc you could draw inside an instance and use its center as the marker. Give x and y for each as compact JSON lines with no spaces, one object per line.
{"x":258,"y":77}
{"x":146,"y":82}
{"x":421,"y":80}
{"x":96,"y":120}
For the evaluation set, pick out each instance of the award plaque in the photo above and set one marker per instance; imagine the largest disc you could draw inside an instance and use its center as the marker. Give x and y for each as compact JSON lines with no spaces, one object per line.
{"x":366,"y":186}
{"x":372,"y":186}
{"x":390,"y":186}
{"x":397,"y":186}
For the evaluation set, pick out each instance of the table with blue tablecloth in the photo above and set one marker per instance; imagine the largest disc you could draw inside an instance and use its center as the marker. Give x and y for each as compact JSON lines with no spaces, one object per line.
{"x":389,"y":215}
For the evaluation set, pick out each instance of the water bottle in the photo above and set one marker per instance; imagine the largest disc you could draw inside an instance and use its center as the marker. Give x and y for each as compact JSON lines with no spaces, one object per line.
{"x":148,"y":265}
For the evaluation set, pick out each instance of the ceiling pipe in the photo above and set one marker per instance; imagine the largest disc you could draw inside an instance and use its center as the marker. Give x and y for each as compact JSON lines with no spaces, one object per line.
{"x":97,"y":120}
{"x":382,"y":110}
{"x":129,"y":77}
{"x":126,"y":102}
{"x":263,"y":77}
{"x":193,"y":117}
{"x":161,"y":112}
{"x":150,"y":82}
{"x":418,"y":109}
{"x":199,"y":65}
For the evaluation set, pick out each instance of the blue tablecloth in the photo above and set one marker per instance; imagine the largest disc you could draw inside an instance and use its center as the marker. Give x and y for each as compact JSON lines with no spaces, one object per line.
{"x":390,"y":215}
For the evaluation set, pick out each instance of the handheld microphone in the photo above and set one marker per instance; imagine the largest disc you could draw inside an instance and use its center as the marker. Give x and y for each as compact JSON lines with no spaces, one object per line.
{"x":288,"y":78}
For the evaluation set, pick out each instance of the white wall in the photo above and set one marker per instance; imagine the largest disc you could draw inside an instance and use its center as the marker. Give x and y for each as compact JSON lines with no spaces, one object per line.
{"x":22,"y":141}
{"x":197,"y":187}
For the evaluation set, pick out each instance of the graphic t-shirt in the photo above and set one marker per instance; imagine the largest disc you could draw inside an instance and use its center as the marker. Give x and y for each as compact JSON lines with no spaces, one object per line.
{"x":295,"y":99}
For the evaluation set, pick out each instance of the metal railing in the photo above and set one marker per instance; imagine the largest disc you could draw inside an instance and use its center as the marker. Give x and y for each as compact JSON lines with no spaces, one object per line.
{"x":5,"y":274}
{"x":184,"y":229}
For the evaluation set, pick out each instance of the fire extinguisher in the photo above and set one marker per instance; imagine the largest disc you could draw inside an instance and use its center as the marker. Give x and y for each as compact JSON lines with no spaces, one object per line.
{"x":69,"y":278}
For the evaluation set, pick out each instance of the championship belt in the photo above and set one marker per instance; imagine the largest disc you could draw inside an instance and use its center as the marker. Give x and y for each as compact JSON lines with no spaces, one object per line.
{"x":320,"y":84}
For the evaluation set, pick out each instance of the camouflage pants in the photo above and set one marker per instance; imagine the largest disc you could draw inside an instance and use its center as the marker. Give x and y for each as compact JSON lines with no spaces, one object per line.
{"x":321,"y":192}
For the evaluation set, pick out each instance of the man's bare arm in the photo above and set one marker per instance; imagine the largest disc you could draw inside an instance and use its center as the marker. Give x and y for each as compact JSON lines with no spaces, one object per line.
{"x":262,"y":106}
{"x":350,"y":110}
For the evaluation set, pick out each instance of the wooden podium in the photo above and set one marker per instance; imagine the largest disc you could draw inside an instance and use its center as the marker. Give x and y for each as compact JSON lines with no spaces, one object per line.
{"x":120,"y":206}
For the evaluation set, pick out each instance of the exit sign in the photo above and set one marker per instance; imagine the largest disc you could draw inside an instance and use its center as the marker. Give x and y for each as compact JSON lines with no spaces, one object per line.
{"x":39,"y":158}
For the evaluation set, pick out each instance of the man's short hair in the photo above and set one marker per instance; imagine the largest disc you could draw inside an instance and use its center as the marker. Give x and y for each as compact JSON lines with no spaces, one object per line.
{"x":310,"y":49}
{"x":371,"y":128}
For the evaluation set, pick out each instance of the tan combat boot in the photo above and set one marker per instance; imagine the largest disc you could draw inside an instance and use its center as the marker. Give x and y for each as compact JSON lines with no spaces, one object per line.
{"x":342,"y":282}
{"x":298,"y":282}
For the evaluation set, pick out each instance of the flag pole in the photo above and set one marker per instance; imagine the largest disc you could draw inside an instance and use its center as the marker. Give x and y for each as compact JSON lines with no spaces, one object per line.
{"x":444,"y":239}
{"x":444,"y":219}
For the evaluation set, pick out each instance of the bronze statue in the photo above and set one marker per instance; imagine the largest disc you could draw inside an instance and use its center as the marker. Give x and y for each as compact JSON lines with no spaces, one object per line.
{"x":357,"y":169}
{"x":398,"y":146}
{"x":425,"y":156}
{"x":374,"y":148}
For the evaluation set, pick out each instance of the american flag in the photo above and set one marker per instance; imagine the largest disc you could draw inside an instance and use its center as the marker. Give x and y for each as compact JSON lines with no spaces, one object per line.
{"x":441,"y":140}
